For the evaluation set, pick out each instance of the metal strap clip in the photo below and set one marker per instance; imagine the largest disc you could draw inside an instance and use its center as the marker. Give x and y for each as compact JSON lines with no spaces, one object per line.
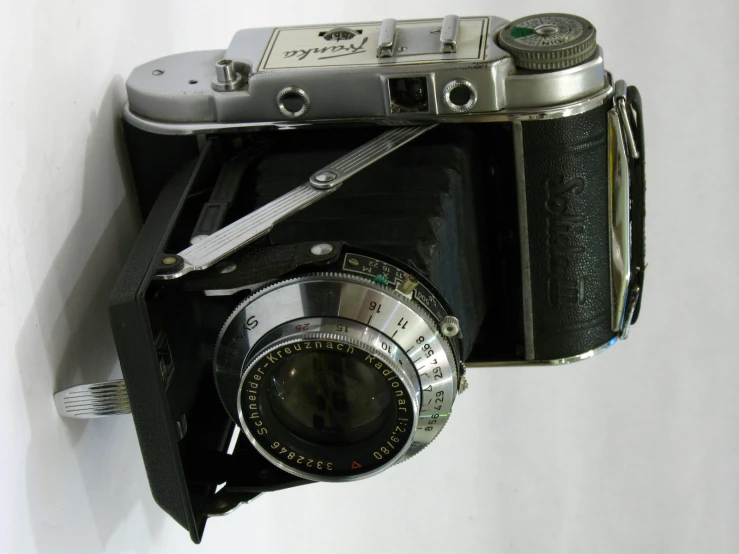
{"x":623,"y":152}
{"x":619,"y":101}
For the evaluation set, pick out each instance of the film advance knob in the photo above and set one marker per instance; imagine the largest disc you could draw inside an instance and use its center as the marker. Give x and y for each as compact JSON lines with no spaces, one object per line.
{"x":547,"y":42}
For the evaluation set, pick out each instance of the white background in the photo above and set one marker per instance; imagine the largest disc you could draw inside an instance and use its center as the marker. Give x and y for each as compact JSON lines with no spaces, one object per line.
{"x":636,"y":451}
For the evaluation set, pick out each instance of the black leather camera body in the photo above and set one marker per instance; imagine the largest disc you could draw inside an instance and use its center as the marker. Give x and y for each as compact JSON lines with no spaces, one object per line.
{"x":341,"y":221}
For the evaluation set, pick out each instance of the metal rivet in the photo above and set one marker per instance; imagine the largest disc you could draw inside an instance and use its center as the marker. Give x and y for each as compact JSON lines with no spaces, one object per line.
{"x":546,"y":30}
{"x":321,"y":249}
{"x":324,"y":180}
{"x":326,"y":176}
{"x":158,"y":72}
{"x":353,"y":262}
{"x":226,"y":267}
{"x":169,"y":260}
{"x":408,"y":285}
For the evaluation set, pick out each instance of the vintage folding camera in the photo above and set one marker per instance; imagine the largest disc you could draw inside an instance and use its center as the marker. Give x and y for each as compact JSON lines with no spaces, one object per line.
{"x":340,"y":220}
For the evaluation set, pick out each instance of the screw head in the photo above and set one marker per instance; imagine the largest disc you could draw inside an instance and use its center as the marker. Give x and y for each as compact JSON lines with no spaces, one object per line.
{"x":321,"y":249}
{"x":353,"y":262}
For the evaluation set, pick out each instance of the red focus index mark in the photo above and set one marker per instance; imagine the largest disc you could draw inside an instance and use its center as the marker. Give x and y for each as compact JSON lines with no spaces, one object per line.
{"x":356,"y":465}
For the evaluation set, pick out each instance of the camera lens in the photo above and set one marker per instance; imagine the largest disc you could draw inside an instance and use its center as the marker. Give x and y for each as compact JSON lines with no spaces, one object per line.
{"x":329,"y":398}
{"x":330,"y":407}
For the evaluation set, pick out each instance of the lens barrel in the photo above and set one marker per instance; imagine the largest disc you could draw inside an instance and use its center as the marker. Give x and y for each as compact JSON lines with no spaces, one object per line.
{"x":328,"y":407}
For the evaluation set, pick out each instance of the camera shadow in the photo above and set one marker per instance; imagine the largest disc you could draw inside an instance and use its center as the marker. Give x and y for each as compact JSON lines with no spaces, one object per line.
{"x":81,"y":474}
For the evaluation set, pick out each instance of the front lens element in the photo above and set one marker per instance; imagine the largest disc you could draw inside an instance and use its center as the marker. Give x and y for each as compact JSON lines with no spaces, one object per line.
{"x":330,"y":398}
{"x":328,"y":407}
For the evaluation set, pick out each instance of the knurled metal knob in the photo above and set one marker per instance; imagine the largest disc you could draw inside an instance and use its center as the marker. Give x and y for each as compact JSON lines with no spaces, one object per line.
{"x":549,"y":41}
{"x":450,"y":326}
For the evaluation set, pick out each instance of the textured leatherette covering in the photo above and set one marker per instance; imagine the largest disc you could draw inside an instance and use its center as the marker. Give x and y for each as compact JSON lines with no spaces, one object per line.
{"x":130,"y":323}
{"x":567,"y":190}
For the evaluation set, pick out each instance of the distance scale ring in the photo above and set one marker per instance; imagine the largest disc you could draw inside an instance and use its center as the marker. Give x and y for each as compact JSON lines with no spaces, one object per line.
{"x":363,"y":303}
{"x":297,"y":455}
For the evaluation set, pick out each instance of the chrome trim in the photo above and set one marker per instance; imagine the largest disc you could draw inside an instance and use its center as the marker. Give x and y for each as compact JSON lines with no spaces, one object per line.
{"x":629,"y":314}
{"x":297,"y":92}
{"x":367,"y":154}
{"x":258,"y":223}
{"x":93,"y":400}
{"x":227,"y":78}
{"x":523,"y":229}
{"x":448,"y":34}
{"x":204,"y":253}
{"x":560,"y":361}
{"x":456,"y":83}
{"x":619,"y":99}
{"x":553,"y":112}
{"x":620,"y":229}
{"x":525,"y":89}
{"x":270,"y":315}
{"x":393,"y":360}
{"x":386,"y":40}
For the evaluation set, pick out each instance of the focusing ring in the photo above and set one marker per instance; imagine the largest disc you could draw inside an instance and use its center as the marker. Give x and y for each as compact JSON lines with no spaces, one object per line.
{"x":308,"y":460}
